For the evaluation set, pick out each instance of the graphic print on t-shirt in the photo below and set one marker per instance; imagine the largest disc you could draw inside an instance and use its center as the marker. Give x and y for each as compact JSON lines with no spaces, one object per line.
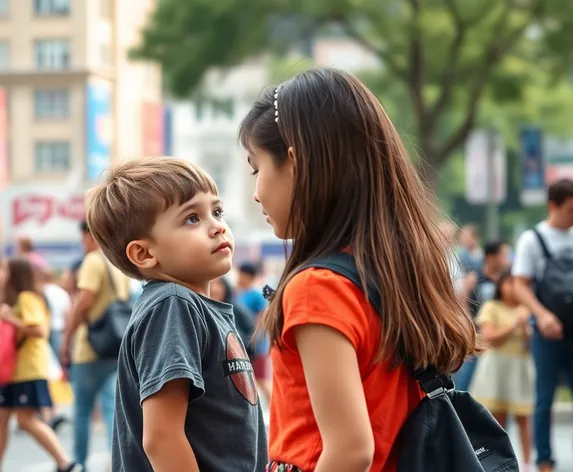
{"x":238,"y":367}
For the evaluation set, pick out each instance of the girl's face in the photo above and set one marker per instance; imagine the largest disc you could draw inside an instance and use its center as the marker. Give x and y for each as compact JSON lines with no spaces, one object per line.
{"x":274,"y":188}
{"x":507,"y":294}
{"x":218,"y":290}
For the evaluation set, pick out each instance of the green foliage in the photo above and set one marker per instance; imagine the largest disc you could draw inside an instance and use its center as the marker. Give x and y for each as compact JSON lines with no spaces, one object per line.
{"x":443,"y":58}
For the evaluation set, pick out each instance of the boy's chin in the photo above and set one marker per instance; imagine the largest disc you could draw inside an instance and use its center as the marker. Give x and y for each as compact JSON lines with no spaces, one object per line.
{"x":224,"y":268}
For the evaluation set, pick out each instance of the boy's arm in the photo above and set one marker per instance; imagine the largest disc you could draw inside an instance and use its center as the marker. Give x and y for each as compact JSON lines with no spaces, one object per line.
{"x":164,"y":439}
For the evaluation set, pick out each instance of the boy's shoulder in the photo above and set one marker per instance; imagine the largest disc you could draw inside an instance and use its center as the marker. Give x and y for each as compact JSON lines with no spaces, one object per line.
{"x":159,"y":293}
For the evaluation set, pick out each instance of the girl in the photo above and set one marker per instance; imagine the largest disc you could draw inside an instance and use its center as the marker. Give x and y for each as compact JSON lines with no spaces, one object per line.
{"x":25,"y":308}
{"x":504,"y":377}
{"x":332,"y":175}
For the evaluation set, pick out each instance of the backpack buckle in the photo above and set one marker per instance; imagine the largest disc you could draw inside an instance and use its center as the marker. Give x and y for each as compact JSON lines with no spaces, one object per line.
{"x":438,"y":386}
{"x":439,"y":392}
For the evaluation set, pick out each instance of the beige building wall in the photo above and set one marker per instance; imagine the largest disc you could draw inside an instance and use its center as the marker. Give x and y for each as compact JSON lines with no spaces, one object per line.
{"x":100,"y":32}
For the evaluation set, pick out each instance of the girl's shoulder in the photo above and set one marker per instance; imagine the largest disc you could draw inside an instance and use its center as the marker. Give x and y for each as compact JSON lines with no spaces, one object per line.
{"x":317,"y":279}
{"x":30,"y":299}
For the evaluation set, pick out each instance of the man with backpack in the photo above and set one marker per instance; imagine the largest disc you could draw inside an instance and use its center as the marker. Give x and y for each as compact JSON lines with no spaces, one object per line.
{"x":543,"y":268}
{"x":99,"y":286}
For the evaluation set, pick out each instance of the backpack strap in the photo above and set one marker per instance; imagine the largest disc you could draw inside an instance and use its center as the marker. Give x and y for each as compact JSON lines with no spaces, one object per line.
{"x":544,"y":248}
{"x":343,"y":263}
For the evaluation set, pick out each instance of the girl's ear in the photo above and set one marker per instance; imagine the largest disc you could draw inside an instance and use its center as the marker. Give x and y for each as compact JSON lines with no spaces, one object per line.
{"x":291,"y":160}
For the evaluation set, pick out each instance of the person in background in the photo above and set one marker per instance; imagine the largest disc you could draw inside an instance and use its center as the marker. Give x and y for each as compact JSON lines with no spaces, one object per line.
{"x":24,"y":307}
{"x":504,"y":378}
{"x":552,"y":341}
{"x":470,"y":251}
{"x":59,"y":304}
{"x":99,"y":285}
{"x":250,"y":295}
{"x":222,"y":291}
{"x":481,"y":287}
{"x":25,"y":248}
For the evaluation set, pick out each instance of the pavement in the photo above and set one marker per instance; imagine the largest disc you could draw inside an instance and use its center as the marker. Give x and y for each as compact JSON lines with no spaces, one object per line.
{"x":24,"y":455}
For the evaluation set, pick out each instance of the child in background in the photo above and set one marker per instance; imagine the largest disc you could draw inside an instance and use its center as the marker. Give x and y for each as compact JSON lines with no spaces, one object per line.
{"x":25,"y":308}
{"x":504,"y":379}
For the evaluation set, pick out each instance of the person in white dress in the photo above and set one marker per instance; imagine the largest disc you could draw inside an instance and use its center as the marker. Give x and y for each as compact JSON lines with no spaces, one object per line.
{"x":504,"y":379}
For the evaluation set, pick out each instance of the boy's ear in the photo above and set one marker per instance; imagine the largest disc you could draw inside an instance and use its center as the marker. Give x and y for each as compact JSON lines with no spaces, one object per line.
{"x":139,"y":255}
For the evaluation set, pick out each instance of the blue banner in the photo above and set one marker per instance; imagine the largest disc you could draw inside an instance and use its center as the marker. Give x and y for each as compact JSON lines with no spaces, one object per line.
{"x":532,"y":166}
{"x":99,"y":132}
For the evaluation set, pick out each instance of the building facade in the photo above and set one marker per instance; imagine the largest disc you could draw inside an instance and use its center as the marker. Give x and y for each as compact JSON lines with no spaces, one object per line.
{"x":71,"y":103}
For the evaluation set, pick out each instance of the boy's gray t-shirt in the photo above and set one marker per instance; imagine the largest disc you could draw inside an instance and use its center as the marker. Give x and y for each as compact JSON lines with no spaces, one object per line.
{"x":176,"y":334}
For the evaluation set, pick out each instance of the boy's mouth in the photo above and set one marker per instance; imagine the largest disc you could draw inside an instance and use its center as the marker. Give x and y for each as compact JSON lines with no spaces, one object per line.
{"x":225,"y":246}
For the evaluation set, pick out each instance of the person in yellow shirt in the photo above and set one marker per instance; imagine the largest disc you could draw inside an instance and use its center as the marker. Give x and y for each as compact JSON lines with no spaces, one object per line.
{"x":504,"y":378}
{"x":26,"y":310}
{"x":99,"y":285}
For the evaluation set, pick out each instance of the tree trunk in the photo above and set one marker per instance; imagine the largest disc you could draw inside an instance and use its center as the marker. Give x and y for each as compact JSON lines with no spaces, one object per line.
{"x":429,"y":167}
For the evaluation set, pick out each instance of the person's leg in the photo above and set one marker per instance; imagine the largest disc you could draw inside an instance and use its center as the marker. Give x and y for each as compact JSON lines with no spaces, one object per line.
{"x":5,"y":414}
{"x":567,"y":361}
{"x":463,"y":377}
{"x":546,"y":359}
{"x":524,"y":425}
{"x":84,"y":384}
{"x":107,"y":395}
{"x":501,"y":418}
{"x":43,"y":434}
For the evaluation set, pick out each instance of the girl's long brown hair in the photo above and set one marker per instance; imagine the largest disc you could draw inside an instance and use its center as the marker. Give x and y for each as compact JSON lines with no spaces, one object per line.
{"x":20,"y":279}
{"x":356,"y":187}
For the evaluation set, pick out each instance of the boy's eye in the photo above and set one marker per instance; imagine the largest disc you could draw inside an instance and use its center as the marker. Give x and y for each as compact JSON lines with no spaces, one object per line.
{"x":193,"y":219}
{"x":218,"y":213}
{"x":255,"y":172}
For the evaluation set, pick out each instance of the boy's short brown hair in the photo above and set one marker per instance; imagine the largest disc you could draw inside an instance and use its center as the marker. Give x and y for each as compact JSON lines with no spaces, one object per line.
{"x":125,"y":205}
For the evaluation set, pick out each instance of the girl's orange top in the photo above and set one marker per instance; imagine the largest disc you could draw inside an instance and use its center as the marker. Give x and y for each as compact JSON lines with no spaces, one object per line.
{"x":319,"y":296}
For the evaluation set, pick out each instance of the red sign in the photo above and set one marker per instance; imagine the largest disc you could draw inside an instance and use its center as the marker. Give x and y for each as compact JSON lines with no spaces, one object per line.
{"x":42,"y":208}
{"x":152,"y":121}
{"x":3,"y":138}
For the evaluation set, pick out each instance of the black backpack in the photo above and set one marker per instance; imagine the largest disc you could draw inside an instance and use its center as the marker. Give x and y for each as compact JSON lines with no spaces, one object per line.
{"x":555,"y":289}
{"x":449,"y":431}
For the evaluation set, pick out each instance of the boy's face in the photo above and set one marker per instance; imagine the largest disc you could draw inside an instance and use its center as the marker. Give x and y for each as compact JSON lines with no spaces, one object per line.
{"x":191,"y":243}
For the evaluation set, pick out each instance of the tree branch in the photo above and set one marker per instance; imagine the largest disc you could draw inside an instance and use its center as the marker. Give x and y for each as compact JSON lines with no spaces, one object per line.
{"x":450,"y":74}
{"x":381,"y":53}
{"x":495,"y":51}
{"x":417,"y":72}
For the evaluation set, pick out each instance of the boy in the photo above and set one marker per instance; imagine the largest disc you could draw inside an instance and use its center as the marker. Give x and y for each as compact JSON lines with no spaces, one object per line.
{"x":186,"y":398}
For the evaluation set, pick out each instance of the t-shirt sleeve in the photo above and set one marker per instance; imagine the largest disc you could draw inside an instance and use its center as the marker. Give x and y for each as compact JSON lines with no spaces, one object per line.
{"x":30,"y":310}
{"x":526,"y":255}
{"x":487,"y":314}
{"x":92,"y":273}
{"x":168,"y":344}
{"x":319,"y":296}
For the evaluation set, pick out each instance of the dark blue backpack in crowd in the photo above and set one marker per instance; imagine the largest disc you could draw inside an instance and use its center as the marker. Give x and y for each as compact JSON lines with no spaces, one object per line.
{"x":449,"y":431}
{"x":555,"y":289}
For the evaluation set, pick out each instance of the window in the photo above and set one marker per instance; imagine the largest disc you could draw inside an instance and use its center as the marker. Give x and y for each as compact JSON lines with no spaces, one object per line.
{"x":52,"y":54}
{"x":51,"y":7}
{"x":3,"y":55}
{"x":52,"y":103}
{"x":53,"y":156}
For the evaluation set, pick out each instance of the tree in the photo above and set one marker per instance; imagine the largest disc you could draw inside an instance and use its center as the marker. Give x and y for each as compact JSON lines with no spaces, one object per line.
{"x":443,"y":53}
